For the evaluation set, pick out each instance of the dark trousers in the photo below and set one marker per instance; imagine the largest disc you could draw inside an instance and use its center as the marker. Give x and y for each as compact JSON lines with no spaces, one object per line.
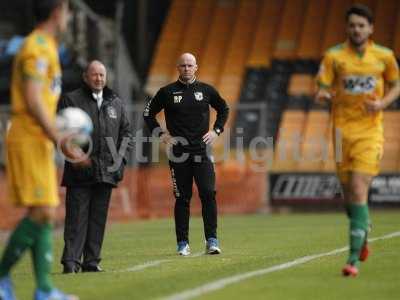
{"x":85,"y":220}
{"x":203,"y":174}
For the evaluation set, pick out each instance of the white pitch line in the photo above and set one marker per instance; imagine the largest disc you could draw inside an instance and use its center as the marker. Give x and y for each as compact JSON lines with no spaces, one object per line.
{"x":145,"y":265}
{"x":223,"y":282}
{"x":154,"y":263}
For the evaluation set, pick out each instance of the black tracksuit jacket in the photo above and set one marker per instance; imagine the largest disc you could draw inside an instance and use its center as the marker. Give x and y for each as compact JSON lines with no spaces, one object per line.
{"x":110,"y":121}
{"x":187,"y":112}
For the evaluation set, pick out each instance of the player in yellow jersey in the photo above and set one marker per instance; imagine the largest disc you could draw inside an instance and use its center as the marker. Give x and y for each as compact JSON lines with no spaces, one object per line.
{"x":32,"y":183}
{"x":353,"y":77}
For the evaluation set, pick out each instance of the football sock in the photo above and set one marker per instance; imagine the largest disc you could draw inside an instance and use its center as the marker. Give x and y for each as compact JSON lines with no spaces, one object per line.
{"x":358,"y":230}
{"x":21,"y":239}
{"x":43,"y":257}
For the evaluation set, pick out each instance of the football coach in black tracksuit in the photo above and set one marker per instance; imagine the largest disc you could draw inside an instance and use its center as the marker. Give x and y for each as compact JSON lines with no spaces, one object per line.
{"x":88,"y":190}
{"x":186,"y":104}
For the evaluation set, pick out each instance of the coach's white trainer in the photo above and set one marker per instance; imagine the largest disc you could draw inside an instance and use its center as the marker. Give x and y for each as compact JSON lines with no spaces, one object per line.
{"x":212,"y":246}
{"x":183,"y":248}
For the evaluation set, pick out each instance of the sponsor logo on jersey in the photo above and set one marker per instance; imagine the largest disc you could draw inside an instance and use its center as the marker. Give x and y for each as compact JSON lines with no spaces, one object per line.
{"x":198,"y":96}
{"x":359,"y":84}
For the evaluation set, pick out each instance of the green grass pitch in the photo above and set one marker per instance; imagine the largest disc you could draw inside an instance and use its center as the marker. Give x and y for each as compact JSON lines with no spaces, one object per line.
{"x":140,"y":261}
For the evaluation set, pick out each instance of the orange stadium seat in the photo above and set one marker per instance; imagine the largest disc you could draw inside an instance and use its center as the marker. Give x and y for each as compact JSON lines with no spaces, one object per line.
{"x":218,"y":39}
{"x":288,"y":147}
{"x":396,"y":42}
{"x":301,"y":84}
{"x":330,"y":164}
{"x":265,"y":36}
{"x":314,"y":148}
{"x":369,"y":3}
{"x":335,"y":27}
{"x":196,"y":31}
{"x":391,"y":155}
{"x":311,"y":34}
{"x":289,"y":30}
{"x":232,"y":73}
{"x":385,"y":22}
{"x":168,"y":45}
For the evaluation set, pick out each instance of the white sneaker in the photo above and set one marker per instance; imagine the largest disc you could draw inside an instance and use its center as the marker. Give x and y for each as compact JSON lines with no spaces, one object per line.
{"x":183,"y":248}
{"x":212,"y":246}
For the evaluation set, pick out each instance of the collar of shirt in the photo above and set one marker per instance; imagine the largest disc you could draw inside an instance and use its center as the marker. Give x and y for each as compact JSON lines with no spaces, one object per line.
{"x":98,"y":97}
{"x":350,"y":48}
{"x":187,"y":82}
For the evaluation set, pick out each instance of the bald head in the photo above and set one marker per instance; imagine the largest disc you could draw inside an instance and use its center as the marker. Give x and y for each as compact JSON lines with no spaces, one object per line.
{"x":187,"y":67}
{"x":187,"y":57}
{"x":95,"y":76}
{"x":94,"y":64}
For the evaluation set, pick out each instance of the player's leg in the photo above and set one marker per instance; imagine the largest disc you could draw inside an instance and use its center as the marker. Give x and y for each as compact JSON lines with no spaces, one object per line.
{"x":98,"y":211}
{"x":204,"y":176}
{"x":23,"y":190}
{"x":182,"y":182}
{"x":42,"y":249}
{"x":366,"y":152}
{"x":360,"y":184}
{"x":42,"y":254}
{"x":21,"y":239}
{"x":77,"y":202}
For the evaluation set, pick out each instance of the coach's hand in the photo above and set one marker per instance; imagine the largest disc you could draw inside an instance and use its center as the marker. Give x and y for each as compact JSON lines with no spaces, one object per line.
{"x":167,"y":139}
{"x":323,"y":96}
{"x":73,"y":153}
{"x":210,"y":137}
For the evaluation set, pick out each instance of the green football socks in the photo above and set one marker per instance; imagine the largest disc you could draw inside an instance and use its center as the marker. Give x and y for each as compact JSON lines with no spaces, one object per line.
{"x":21,"y":239}
{"x":42,"y":255}
{"x":359,"y":218}
{"x":38,"y":238}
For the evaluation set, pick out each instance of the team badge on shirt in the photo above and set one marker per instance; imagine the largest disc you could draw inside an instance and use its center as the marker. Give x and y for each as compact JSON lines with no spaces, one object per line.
{"x":198,"y":96}
{"x":111,"y":112}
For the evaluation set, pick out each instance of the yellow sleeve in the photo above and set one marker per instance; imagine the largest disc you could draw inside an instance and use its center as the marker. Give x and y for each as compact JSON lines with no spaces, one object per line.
{"x":326,"y":73}
{"x":391,"y":73}
{"x":34,"y":65}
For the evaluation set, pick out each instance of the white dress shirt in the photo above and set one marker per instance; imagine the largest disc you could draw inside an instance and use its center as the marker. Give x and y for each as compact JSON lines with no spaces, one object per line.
{"x":99,"y":98}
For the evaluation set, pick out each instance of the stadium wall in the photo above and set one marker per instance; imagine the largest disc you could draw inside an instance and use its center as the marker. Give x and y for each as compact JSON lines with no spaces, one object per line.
{"x":147,"y":193}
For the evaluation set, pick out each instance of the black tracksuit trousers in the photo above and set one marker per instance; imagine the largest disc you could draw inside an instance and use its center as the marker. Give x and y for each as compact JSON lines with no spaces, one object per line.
{"x":201,"y":169}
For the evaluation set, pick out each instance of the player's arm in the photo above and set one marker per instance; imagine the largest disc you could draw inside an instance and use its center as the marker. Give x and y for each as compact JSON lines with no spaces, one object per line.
{"x":392,"y":78}
{"x":36,"y":108}
{"x":325,"y":79}
{"x":222,"y":109}
{"x":153,"y":107}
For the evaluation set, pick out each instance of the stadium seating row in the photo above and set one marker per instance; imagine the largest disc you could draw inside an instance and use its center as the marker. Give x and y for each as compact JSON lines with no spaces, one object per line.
{"x":305,"y":142}
{"x":228,"y":35}
{"x":281,"y":43}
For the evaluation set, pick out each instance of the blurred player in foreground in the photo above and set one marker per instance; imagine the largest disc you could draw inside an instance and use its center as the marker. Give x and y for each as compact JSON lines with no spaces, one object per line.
{"x":352,"y":77}
{"x":31,"y":172}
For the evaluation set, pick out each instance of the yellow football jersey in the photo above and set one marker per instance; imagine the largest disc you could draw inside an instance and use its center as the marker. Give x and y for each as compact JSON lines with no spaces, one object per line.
{"x":355,"y":78}
{"x":37,"y":60}
{"x":31,"y":172}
